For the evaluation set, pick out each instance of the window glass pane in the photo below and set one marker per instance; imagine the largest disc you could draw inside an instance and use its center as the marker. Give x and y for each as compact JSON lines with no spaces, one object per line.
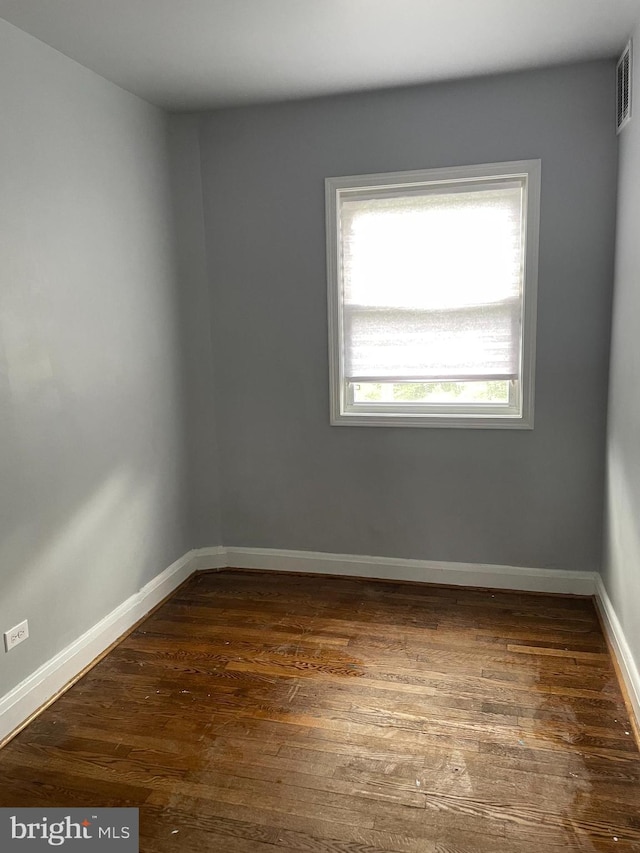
{"x":432,"y":283}
{"x":437,"y":393}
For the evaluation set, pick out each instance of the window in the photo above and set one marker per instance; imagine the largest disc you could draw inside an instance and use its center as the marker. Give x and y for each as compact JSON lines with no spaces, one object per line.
{"x":432,"y":296}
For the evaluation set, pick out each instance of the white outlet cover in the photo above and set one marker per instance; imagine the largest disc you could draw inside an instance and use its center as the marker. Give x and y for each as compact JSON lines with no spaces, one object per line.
{"x":16,"y":635}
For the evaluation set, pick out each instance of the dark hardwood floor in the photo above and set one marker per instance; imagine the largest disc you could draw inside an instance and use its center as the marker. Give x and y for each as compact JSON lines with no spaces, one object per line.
{"x":262,"y":713}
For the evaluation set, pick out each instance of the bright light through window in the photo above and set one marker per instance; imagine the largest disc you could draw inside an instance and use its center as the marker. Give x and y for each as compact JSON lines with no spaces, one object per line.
{"x":432,"y":296}
{"x":432,"y":392}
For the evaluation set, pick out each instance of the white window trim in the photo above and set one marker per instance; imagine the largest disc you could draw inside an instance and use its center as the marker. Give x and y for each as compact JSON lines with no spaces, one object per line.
{"x":403,"y":416}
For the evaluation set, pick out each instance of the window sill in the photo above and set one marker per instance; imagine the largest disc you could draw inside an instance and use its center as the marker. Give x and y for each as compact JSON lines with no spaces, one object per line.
{"x":422,"y":421}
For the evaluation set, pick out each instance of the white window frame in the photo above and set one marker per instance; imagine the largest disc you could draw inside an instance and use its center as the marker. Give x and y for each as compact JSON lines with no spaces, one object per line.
{"x":518,"y":414}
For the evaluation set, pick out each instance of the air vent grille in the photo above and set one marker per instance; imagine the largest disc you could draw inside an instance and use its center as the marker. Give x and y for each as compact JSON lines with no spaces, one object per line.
{"x":623,"y":88}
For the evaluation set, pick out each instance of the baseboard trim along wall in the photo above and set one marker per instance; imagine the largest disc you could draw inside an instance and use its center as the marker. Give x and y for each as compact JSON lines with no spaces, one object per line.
{"x":422,"y":571}
{"x":627,"y":666}
{"x":33,"y":694}
{"x":29,"y":697}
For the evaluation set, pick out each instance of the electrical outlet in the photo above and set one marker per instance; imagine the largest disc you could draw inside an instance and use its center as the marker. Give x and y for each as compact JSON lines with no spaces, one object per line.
{"x":16,"y":635}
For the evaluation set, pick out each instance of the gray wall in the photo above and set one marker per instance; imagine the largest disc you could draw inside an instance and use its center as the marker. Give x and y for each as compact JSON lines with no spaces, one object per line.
{"x":203,"y":499}
{"x":92,"y":472}
{"x":621,"y":571}
{"x":290,"y":480}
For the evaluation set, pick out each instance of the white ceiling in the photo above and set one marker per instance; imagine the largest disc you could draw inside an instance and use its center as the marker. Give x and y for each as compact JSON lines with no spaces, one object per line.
{"x":192,"y":54}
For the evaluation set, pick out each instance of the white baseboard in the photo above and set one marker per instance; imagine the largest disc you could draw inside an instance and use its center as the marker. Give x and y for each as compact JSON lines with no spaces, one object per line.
{"x":26,"y":698}
{"x":202,"y":559}
{"x":424,"y":571}
{"x":627,"y":664}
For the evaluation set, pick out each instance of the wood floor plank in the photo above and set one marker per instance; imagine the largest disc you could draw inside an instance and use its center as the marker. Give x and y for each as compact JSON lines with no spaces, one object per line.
{"x":296,"y":714}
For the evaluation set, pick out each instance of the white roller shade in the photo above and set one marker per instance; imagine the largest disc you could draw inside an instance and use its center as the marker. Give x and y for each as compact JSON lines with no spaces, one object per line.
{"x":432,"y":281}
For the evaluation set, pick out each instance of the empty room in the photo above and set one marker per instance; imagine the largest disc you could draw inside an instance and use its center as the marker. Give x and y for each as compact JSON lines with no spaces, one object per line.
{"x":319,"y":426}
